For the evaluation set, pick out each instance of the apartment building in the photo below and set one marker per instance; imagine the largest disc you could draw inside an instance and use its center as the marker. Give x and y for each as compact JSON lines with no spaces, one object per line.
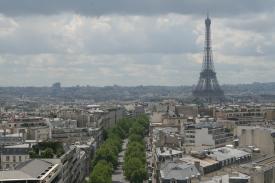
{"x":206,"y":135}
{"x":11,"y":156}
{"x":243,"y":115}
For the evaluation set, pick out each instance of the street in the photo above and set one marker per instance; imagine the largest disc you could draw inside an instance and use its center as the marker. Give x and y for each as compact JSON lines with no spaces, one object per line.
{"x":118,"y":176}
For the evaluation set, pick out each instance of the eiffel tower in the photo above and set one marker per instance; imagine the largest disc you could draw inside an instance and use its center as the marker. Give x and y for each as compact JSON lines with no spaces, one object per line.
{"x":208,"y":87}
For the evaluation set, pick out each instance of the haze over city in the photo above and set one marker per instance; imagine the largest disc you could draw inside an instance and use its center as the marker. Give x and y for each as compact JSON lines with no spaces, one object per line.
{"x":132,"y":43}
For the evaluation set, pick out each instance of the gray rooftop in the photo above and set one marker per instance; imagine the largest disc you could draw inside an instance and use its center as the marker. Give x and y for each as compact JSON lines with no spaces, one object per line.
{"x":167,"y":152}
{"x":31,"y":169}
{"x":13,"y":175}
{"x":209,"y":125}
{"x":224,"y":153}
{"x":34,"y":167}
{"x":165,"y":130}
{"x":178,"y":171}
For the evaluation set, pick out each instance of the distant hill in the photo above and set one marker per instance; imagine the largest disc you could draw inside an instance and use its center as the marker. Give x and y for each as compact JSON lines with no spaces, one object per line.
{"x":250,"y":89}
{"x":128,"y":93}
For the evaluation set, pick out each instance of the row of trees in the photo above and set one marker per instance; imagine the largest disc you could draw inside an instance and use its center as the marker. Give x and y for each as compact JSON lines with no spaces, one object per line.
{"x":135,"y":156}
{"x":106,"y":157}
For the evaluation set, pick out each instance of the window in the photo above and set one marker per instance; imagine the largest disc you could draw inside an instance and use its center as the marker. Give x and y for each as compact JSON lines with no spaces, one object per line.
{"x":173,"y":181}
{"x":20,"y":159}
{"x":7,"y":166}
{"x":14,"y":158}
{"x":7,"y":158}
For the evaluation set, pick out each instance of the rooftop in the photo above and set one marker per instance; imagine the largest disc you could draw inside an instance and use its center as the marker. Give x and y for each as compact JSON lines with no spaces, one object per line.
{"x":14,"y":175}
{"x":203,"y":162}
{"x":31,"y":169}
{"x":204,"y":125}
{"x":18,"y":146}
{"x":178,"y":171}
{"x":226,"y":178}
{"x":167,"y":152}
{"x":265,"y":162}
{"x":224,"y":153}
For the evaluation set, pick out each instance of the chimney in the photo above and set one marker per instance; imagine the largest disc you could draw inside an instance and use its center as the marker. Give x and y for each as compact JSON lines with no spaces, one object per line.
{"x":236,"y":143}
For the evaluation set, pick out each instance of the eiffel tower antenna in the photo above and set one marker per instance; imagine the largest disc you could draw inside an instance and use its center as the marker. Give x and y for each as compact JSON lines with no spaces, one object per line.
{"x":208,"y":86}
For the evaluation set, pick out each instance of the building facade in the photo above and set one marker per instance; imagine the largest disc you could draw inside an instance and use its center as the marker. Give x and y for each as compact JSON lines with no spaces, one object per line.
{"x":206,"y":135}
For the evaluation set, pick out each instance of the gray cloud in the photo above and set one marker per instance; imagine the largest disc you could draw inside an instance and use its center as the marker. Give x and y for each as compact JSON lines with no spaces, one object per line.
{"x":127,"y":42}
{"x":133,"y":7}
{"x":70,"y":33}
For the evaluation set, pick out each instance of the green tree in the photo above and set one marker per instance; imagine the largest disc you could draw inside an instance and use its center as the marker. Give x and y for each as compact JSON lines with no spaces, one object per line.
{"x":135,"y":137}
{"x":47,"y":153}
{"x":105,"y":152}
{"x":138,"y":175}
{"x":104,"y":134}
{"x":137,"y":129}
{"x":102,"y":173}
{"x":134,"y":170}
{"x":106,"y":156}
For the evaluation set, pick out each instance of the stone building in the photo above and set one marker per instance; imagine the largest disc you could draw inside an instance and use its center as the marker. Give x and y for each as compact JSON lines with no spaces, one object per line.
{"x":259,"y":137}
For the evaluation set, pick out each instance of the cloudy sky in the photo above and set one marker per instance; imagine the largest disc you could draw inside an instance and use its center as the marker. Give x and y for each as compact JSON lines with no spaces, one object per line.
{"x":133,"y":42}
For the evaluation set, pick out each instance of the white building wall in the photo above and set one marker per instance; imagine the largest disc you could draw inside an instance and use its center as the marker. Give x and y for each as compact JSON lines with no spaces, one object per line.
{"x":258,"y":137}
{"x":202,"y":138}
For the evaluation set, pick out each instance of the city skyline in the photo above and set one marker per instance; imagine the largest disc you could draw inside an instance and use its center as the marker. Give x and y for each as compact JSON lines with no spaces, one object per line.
{"x":80,"y":44}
